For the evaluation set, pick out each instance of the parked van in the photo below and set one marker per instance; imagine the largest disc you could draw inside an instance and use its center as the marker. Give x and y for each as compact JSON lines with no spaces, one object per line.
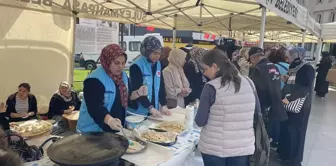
{"x":131,"y":45}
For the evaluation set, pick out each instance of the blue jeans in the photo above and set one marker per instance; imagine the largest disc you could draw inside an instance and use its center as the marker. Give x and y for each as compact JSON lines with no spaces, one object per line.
{"x":210,"y":160}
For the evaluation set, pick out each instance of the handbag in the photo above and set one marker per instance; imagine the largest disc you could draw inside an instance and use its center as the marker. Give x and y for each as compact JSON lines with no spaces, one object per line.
{"x":296,"y":105}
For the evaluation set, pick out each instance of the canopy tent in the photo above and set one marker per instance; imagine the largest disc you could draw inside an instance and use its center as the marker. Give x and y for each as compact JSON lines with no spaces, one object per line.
{"x":37,"y":36}
{"x":281,"y":36}
{"x":206,"y":15}
{"x":328,"y":33}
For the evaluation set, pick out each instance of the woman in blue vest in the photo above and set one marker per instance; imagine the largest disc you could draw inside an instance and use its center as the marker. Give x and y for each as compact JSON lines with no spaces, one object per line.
{"x":106,"y":94}
{"x":146,"y":71}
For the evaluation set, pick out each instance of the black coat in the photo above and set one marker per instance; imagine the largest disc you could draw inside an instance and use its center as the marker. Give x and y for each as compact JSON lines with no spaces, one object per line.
{"x":11,"y":102}
{"x":195,"y":80}
{"x":57,"y":104}
{"x":266,"y":77}
{"x":322,"y":85}
{"x":4,"y":123}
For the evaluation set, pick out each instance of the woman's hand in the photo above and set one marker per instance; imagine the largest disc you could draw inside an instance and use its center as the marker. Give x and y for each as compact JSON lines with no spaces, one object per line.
{"x":72,"y":108}
{"x":3,"y":107}
{"x":284,"y":78}
{"x":165,"y":111}
{"x":185,"y":92}
{"x":68,"y":111}
{"x":31,"y":114}
{"x":155,"y":113}
{"x":114,"y":123}
{"x":142,"y":91}
{"x":285,"y":101}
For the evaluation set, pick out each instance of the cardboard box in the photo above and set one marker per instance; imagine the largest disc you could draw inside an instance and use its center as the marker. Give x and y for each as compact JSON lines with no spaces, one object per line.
{"x":331,"y":77}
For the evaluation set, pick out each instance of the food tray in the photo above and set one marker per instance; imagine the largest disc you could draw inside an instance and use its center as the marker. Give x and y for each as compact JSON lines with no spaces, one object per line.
{"x":142,"y":143}
{"x":142,"y":130}
{"x":157,"y":128}
{"x":28,"y":123}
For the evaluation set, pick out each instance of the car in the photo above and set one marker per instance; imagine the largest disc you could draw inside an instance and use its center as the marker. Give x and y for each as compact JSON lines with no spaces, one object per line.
{"x":89,"y":60}
{"x":77,"y":57}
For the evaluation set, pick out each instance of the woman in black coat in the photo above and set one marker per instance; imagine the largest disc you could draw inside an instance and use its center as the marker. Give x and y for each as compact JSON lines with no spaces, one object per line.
{"x":322,"y":85}
{"x":64,"y":101}
{"x":299,"y":85}
{"x":193,"y":70}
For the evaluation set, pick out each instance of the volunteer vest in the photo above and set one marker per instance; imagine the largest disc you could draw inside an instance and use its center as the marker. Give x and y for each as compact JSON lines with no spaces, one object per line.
{"x":147,"y":75}
{"x":85,"y":122}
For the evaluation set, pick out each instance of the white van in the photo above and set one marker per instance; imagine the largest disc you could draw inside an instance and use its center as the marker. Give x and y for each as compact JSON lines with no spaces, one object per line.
{"x":131,"y":46}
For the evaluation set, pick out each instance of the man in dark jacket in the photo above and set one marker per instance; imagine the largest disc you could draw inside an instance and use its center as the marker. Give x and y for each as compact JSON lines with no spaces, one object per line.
{"x":266,"y":78}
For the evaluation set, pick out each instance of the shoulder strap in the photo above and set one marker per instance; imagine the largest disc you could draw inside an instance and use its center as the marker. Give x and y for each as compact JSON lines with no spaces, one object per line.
{"x":258,"y":111}
{"x":251,"y":84}
{"x":284,"y":67}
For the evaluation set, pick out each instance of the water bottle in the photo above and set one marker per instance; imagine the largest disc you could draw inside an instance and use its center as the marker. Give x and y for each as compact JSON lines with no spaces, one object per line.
{"x":190,"y":116}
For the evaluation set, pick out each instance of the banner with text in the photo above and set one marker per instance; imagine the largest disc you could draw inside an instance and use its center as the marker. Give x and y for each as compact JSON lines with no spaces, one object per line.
{"x":293,"y":12}
{"x":93,"y":35}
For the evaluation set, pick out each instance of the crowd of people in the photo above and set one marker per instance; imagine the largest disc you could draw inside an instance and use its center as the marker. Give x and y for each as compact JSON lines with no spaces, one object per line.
{"x":232,"y":84}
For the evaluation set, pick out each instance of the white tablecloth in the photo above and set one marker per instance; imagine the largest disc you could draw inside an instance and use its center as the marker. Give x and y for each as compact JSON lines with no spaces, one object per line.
{"x":182,"y":150}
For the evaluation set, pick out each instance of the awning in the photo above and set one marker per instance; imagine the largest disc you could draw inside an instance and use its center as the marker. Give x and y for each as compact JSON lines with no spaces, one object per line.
{"x":329,"y":32}
{"x":217,"y":16}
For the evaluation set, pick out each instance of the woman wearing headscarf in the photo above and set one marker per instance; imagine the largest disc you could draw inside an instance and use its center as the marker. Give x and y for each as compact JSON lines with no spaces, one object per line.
{"x":64,"y":101}
{"x":146,"y":71}
{"x":106,"y":94}
{"x":164,"y":57}
{"x":194,"y":73}
{"x":176,"y":83}
{"x":322,"y":85}
{"x":299,"y":84}
{"x":243,"y":63}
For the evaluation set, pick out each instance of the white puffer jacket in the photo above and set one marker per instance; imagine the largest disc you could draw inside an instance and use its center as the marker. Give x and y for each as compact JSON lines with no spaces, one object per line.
{"x":229,"y":129}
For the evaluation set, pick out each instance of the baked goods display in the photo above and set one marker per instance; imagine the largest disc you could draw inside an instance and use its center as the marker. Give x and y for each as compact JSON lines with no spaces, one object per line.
{"x":159,"y":137}
{"x":135,"y":147}
{"x":173,"y":126}
{"x":31,"y":128}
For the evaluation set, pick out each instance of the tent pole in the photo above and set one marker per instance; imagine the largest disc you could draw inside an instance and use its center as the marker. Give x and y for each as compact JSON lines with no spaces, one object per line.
{"x":174,"y":31}
{"x":72,"y":52}
{"x":262,"y":27}
{"x":319,"y":51}
{"x":303,"y":38}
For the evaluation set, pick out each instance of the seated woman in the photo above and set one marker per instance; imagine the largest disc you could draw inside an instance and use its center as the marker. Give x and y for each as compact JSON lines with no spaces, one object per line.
{"x":21,"y":105}
{"x":226,"y":113}
{"x":106,"y":94}
{"x":146,"y":71}
{"x":176,"y":83}
{"x":64,"y":101}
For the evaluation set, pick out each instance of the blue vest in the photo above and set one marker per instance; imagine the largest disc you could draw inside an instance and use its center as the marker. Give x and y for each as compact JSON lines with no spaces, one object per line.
{"x":146,"y":70}
{"x":283,"y":70}
{"x":85,"y":122}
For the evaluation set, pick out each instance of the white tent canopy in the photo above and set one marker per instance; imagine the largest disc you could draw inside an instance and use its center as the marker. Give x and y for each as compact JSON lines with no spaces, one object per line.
{"x":328,"y":32}
{"x":37,"y":36}
{"x":207,"y":15}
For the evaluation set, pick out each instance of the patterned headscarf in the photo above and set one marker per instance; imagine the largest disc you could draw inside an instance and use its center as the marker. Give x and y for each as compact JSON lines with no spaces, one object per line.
{"x":107,"y":56}
{"x":149,"y":45}
{"x":67,"y":97}
{"x":297,"y":53}
{"x":196,"y":58}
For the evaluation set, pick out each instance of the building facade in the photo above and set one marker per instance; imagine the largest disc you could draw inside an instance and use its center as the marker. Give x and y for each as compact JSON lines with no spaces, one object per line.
{"x":324,"y":11}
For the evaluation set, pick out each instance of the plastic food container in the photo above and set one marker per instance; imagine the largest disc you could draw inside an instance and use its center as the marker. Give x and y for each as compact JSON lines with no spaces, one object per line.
{"x":134,"y":121}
